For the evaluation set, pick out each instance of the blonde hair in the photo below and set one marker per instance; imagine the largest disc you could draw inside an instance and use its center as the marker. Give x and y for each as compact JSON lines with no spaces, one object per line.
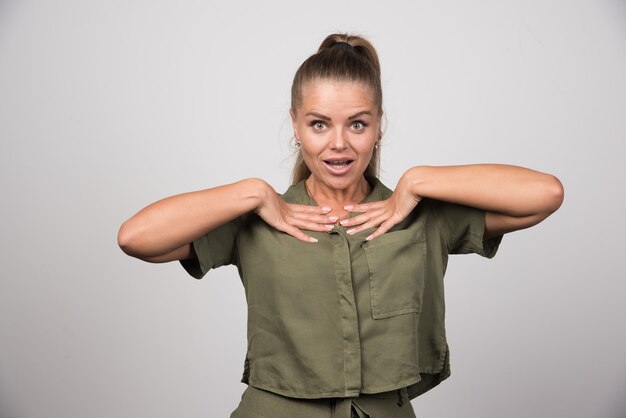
{"x":340,"y":57}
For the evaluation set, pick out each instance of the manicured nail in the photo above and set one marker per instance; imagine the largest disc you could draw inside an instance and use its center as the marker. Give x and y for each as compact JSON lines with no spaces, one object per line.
{"x":344,"y":222}
{"x":329,"y":227}
{"x":368,"y":238}
{"x":312,"y":239}
{"x":326,"y":209}
{"x":350,"y":231}
{"x":348,"y":207}
{"x":333,"y":218}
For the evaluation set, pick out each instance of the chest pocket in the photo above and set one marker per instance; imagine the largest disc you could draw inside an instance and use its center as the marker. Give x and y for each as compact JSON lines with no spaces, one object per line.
{"x":397,"y":266}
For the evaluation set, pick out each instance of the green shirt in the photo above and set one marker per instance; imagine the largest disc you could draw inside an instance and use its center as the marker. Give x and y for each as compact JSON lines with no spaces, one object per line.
{"x":345,"y":316}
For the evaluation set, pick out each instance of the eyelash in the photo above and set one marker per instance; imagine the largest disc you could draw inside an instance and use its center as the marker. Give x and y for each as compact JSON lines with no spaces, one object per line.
{"x":363,"y":124}
{"x":315,"y":122}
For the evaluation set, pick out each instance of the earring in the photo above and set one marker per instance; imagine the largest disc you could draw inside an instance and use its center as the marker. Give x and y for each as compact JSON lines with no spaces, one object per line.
{"x":296,"y":142}
{"x":376,"y":144}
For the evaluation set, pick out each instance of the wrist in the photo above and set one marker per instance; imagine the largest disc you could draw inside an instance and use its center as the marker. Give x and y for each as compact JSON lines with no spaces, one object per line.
{"x":255,"y":192}
{"x":415,"y":178}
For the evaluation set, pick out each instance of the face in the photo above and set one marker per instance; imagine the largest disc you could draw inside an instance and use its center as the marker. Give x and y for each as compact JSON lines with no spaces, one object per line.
{"x":337,"y":125}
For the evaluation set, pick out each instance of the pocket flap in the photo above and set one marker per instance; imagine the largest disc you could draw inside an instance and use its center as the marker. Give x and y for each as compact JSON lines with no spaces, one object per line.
{"x":397,"y":265}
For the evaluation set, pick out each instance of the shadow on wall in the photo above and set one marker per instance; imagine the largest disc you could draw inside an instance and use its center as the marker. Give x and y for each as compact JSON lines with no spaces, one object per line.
{"x":6,"y":410}
{"x":619,"y":405}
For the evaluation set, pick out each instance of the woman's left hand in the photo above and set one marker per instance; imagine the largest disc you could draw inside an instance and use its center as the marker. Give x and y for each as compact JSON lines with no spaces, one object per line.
{"x":383,"y":214}
{"x":512,"y":197}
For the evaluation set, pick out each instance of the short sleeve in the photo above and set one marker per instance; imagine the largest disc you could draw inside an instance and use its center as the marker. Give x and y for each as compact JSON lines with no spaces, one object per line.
{"x":462,"y":229}
{"x":214,"y":249}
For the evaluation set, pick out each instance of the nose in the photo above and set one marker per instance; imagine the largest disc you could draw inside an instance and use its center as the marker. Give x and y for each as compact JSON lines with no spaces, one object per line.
{"x":339,"y":141}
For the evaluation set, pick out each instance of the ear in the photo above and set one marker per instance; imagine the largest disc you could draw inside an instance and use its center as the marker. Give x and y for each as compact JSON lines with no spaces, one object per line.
{"x":293,"y":123}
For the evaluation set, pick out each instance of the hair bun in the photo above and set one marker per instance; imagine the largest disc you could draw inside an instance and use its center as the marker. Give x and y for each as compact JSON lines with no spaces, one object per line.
{"x":342,"y":45}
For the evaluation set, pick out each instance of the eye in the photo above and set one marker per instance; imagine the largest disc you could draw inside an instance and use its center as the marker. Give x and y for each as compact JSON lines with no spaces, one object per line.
{"x":358,"y":125}
{"x":318,"y":125}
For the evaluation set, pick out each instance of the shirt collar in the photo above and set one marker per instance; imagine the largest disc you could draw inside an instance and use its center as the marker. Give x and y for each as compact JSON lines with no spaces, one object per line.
{"x":298,"y":193}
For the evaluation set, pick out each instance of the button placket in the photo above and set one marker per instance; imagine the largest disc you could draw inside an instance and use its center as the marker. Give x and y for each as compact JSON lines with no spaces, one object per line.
{"x":348,"y":310}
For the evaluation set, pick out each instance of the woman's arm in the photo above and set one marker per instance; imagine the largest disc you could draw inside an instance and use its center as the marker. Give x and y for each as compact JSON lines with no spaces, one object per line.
{"x":513,"y":197}
{"x":163,"y":231}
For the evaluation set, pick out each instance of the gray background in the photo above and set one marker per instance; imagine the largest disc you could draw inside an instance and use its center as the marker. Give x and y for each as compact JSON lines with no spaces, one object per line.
{"x":107,"y":106}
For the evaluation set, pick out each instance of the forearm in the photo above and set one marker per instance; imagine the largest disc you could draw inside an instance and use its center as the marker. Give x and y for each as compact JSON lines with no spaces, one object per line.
{"x":165,"y":226}
{"x":503,"y":189}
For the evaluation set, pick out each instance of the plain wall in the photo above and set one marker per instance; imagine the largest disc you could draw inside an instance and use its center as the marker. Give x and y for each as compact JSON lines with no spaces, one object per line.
{"x":107,"y":106}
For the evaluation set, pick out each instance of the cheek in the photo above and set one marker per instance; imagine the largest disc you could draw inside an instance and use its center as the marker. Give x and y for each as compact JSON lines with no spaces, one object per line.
{"x":309,"y":151}
{"x":366,"y":146}
{"x":367,"y":155}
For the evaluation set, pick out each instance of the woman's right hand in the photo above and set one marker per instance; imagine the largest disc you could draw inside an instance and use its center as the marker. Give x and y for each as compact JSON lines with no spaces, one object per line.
{"x":163,"y":230}
{"x":292,"y":218}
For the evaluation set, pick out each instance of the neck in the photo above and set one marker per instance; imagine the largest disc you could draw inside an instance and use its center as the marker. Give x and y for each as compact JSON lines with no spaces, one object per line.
{"x":337,"y":198}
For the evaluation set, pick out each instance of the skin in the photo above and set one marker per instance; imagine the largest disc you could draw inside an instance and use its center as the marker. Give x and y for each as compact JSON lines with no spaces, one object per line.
{"x":340,"y":120}
{"x":336,"y":121}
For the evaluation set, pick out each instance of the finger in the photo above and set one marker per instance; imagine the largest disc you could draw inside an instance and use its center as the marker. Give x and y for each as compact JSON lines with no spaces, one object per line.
{"x":384,"y":227}
{"x":296,"y":233}
{"x":311,"y":226}
{"x":371,"y":224}
{"x":384,"y":219}
{"x":312,"y":217}
{"x":361,"y":219}
{"x":308,"y":208}
{"x":365,"y":207}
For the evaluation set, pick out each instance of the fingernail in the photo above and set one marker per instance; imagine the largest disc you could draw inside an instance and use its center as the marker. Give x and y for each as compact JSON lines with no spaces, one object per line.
{"x":350,"y":231}
{"x":326,"y":209}
{"x":329,"y":227}
{"x":369,"y":238}
{"x":348,"y":207}
{"x":344,"y":222}
{"x":312,"y":239}
{"x":333,"y":218}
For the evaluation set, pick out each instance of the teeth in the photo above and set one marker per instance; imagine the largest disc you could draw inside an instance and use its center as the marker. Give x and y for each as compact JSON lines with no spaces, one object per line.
{"x":337,"y":163}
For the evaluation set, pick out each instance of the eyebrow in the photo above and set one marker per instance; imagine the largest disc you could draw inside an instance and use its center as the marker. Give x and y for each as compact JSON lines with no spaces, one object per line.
{"x":317,"y":115}
{"x":356,"y":115}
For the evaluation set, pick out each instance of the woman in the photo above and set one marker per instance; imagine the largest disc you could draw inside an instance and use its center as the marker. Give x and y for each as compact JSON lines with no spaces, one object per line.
{"x":343,"y":277}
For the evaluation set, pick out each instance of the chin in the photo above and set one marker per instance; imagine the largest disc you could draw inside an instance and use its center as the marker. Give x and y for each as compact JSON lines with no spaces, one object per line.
{"x":340,"y":183}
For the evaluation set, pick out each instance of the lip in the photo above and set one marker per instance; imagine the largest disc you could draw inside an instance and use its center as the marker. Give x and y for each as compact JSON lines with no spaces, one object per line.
{"x":335,"y":169}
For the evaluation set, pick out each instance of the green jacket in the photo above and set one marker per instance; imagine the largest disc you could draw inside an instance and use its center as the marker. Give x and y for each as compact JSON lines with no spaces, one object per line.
{"x":344,"y":316}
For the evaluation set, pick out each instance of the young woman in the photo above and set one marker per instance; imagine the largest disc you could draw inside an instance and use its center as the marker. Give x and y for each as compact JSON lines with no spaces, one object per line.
{"x":343,"y":276}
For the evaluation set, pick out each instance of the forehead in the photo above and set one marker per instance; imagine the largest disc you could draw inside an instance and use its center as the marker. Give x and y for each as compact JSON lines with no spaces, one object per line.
{"x":336,"y":95}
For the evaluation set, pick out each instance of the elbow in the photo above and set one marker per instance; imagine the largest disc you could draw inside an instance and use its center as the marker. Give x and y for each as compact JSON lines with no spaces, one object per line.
{"x":549,"y":199}
{"x":555,"y":193}
{"x":127,"y":239}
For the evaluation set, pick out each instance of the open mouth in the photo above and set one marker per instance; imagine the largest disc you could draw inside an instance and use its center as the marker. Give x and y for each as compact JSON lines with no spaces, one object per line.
{"x":338,"y":166}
